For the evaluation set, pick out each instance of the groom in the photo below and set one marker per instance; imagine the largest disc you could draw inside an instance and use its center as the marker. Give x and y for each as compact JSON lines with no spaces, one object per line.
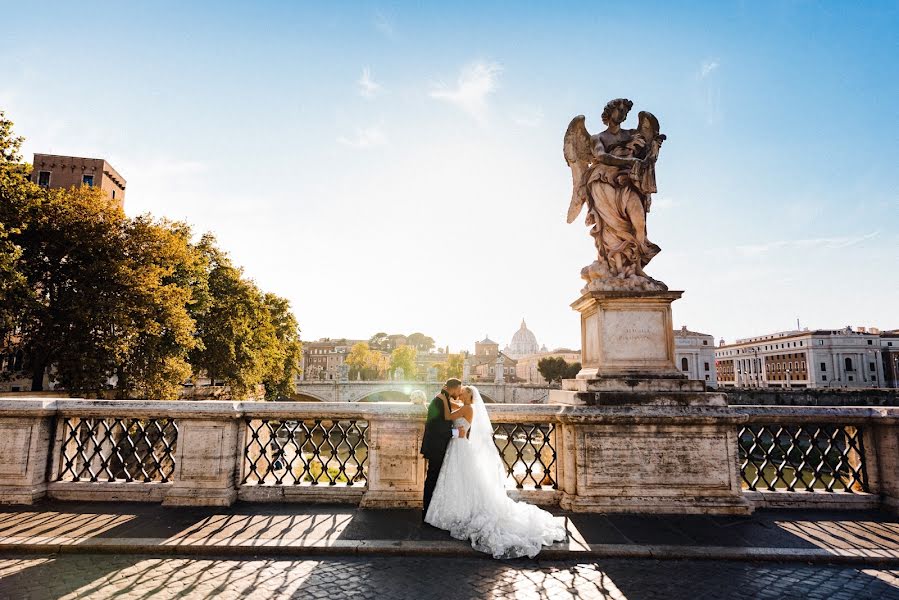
{"x":438,"y":433}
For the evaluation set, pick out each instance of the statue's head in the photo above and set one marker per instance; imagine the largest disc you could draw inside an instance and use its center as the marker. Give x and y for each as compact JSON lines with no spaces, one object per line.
{"x":621,"y":106}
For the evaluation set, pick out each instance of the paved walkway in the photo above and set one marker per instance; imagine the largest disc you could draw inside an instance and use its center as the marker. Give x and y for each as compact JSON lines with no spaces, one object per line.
{"x":861,"y":537}
{"x":121,"y":550}
{"x":385,"y":578}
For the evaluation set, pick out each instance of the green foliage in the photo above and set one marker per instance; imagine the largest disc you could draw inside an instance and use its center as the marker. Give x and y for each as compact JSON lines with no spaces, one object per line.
{"x":367,"y":364}
{"x":129,"y":304}
{"x":404,"y":358}
{"x":454,"y":366}
{"x":288,"y":351}
{"x":554,"y":369}
{"x":379,"y":341}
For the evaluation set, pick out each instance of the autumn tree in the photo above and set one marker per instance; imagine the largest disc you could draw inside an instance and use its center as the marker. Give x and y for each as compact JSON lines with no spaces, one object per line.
{"x":404,"y":358}
{"x":238,"y":342}
{"x":288,"y":352}
{"x":454,"y":366}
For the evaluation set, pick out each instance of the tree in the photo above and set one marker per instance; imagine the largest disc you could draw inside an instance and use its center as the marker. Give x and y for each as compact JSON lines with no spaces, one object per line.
{"x":454,"y":366}
{"x":554,"y":369}
{"x":421,"y":342}
{"x":404,"y":358}
{"x":379,"y":341}
{"x":17,"y":196}
{"x":279,"y":378}
{"x":238,"y":341}
{"x":166,"y":279}
{"x":72,"y":261}
{"x":359,"y":360}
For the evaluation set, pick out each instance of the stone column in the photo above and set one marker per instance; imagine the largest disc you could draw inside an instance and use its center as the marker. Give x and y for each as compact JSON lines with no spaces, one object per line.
{"x":886,"y":438}
{"x":25,"y":446}
{"x":878,"y":361}
{"x":207,"y":461}
{"x":396,"y":470}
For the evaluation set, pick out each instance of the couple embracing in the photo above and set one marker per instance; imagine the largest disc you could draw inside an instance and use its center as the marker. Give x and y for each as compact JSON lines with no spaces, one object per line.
{"x":465,"y":490}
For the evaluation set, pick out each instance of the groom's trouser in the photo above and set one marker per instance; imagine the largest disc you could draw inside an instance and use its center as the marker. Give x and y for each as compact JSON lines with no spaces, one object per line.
{"x":434,"y":466}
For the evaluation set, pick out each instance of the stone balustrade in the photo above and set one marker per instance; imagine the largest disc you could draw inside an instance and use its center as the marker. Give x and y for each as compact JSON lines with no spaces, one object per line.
{"x":582,"y":458}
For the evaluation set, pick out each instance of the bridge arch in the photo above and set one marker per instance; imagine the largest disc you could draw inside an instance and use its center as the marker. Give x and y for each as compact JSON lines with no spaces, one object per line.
{"x":385,"y":396}
{"x":306,"y":396}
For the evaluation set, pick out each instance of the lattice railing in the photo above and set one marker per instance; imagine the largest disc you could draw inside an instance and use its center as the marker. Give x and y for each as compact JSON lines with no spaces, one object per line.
{"x":312,"y":452}
{"x":116,"y":449}
{"x":529,"y":453}
{"x":809,"y":458}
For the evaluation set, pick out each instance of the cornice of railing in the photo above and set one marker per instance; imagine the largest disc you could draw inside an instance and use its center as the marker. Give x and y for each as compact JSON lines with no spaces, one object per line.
{"x":500,"y":413}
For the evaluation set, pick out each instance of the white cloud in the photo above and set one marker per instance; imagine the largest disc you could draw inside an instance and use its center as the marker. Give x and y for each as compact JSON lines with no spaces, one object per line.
{"x":368,"y":87}
{"x":707,"y":67}
{"x":476,"y":81}
{"x":831,"y":243}
{"x":528,"y":116}
{"x":366,"y":137}
{"x":663,"y":203}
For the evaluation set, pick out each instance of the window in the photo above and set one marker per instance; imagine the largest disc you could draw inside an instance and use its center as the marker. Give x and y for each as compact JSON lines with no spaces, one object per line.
{"x":824,"y":378}
{"x":870,"y":342}
{"x":823,"y":367}
{"x":43,"y":179}
{"x":113,"y":194}
{"x":873,"y":368}
{"x":850,"y":378}
{"x":848,"y":364}
{"x":87,"y":180}
{"x":705,"y":342}
{"x":706,"y":366}
{"x":684,"y":364}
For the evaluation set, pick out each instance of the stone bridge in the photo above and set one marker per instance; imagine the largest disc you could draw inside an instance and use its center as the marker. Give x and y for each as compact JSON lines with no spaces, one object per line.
{"x":362,"y":391}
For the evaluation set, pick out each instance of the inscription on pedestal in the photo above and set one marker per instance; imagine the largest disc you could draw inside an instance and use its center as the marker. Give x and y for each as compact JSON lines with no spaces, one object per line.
{"x":206,"y":444}
{"x":634,"y":335}
{"x":14,"y":442}
{"x":656,"y":459}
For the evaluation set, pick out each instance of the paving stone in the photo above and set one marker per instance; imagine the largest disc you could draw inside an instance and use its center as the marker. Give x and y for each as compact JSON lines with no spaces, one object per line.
{"x":70,"y":576}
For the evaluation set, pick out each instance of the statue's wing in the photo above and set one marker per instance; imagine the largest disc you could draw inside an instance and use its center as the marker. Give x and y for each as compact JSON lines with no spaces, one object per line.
{"x":576,"y":149}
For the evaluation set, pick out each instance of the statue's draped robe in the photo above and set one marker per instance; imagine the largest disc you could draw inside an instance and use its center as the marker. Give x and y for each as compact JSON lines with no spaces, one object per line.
{"x":619,"y":215}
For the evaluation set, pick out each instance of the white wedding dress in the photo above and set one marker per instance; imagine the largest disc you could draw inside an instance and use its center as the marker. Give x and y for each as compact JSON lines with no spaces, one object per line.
{"x":470,"y":499}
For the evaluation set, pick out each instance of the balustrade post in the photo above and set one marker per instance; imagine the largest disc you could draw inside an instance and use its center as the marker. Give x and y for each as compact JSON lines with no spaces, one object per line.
{"x":395,"y":467}
{"x":886,"y":443}
{"x":25,"y":443}
{"x":206,"y":461}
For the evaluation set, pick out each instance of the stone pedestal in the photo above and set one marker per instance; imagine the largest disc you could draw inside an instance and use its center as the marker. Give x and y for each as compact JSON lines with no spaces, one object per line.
{"x":395,"y":468}
{"x":627,"y":335}
{"x":24,"y":449}
{"x":657,"y":460}
{"x":206,"y":463}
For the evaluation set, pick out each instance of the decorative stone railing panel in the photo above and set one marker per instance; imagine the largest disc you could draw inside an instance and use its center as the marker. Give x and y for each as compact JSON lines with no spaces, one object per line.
{"x":818,"y":458}
{"x":312,"y":452}
{"x":584,"y":458}
{"x":93,"y":450}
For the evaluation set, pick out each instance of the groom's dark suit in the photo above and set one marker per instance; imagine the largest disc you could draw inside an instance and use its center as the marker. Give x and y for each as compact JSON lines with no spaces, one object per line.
{"x":438,"y":433}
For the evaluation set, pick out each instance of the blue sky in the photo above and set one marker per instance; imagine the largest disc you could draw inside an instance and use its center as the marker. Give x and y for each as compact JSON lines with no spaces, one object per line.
{"x":398,"y":167}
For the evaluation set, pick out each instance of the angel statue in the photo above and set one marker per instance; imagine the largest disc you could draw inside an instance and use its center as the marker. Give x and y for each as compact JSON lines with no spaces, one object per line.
{"x":613,"y":173}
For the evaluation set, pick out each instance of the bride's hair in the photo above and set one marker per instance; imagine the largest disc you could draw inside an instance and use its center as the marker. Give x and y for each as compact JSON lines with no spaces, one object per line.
{"x":470,"y":390}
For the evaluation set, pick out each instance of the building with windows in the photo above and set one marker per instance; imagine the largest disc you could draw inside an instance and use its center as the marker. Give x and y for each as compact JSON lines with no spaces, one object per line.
{"x":694,"y":354}
{"x":821,"y":358}
{"x":889,"y":351}
{"x":486,"y":359}
{"x":324,"y":360}
{"x":53,"y":171}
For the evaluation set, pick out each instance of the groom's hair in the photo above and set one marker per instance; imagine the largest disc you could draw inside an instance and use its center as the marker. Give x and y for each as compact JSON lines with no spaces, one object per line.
{"x":452,"y":383}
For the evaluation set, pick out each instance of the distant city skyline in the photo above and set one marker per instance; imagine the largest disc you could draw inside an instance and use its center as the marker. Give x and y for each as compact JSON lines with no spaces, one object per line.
{"x":399,"y":168}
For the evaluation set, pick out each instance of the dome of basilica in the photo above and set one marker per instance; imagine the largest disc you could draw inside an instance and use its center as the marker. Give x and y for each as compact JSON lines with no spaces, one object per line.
{"x":524,"y":342}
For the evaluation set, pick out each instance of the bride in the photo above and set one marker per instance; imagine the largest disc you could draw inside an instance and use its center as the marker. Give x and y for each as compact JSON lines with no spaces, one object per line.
{"x":470,"y":499}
